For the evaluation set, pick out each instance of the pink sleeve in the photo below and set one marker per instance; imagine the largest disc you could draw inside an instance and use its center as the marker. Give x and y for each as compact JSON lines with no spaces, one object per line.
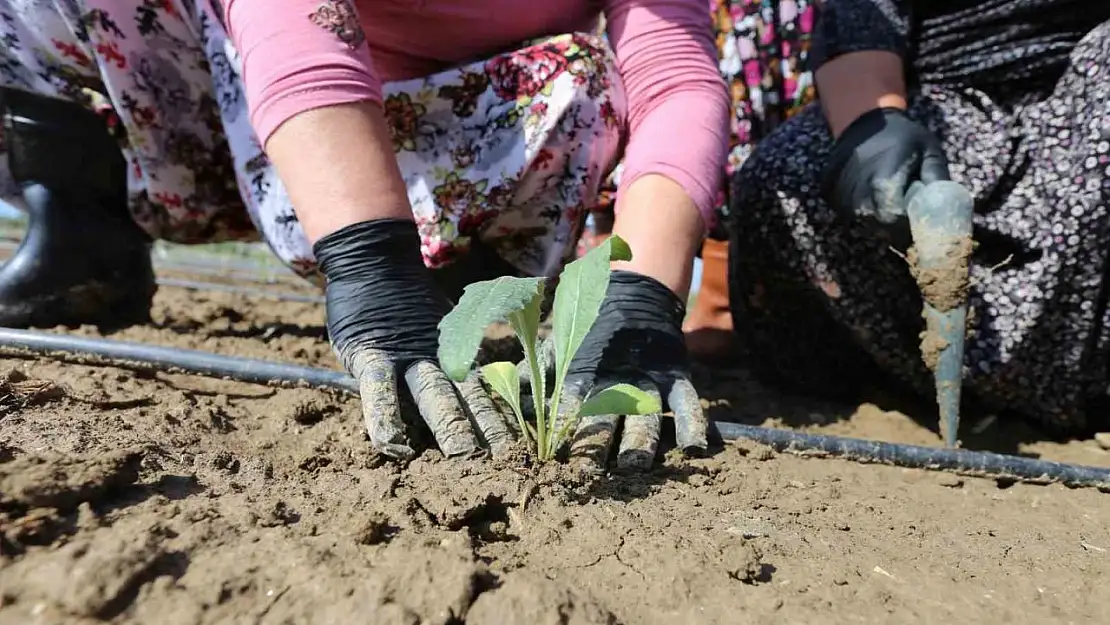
{"x":299,"y":55}
{"x":678,"y":104}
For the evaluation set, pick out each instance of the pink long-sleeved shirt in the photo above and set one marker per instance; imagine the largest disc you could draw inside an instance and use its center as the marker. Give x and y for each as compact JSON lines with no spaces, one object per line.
{"x":678,"y":107}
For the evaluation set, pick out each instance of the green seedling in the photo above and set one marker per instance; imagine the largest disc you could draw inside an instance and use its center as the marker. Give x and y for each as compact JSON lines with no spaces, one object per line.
{"x":578,"y":298}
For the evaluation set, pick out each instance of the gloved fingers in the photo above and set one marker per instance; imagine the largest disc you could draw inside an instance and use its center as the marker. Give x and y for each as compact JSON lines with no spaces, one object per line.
{"x":381,"y":406}
{"x":889,"y":188}
{"x":594,"y":435}
{"x":575,"y":390}
{"x":441,"y":408}
{"x":640,"y":437}
{"x":691,"y":425}
{"x":639,"y":442}
{"x":593,"y":440}
{"x":885,"y":202}
{"x":489,"y":420}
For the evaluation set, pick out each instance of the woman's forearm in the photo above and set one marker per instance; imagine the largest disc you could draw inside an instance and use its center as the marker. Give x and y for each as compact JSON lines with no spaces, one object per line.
{"x":854,"y":83}
{"x":678,"y":116}
{"x":664,"y":228}
{"x":338,"y":167}
{"x":858,"y":50}
{"x":315,"y":104}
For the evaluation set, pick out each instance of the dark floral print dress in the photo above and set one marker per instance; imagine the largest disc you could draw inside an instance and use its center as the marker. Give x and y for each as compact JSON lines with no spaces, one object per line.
{"x":511,"y":149}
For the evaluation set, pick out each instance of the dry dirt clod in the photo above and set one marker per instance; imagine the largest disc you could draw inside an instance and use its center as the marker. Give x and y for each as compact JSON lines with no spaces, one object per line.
{"x":94,"y":576}
{"x":744,"y":561}
{"x":523,"y":598}
{"x":755,"y":451}
{"x":1103,"y":440}
{"x":302,"y":406}
{"x":18,"y":391}
{"x":950,"y":480}
{"x":373,"y":530}
{"x":62,"y":482}
{"x":278,"y":514}
{"x":932,"y":344}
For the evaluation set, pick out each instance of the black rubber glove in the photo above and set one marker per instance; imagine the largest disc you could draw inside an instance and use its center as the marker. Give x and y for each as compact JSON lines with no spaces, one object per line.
{"x":383,"y":309}
{"x":636,"y":340}
{"x":874,"y":162}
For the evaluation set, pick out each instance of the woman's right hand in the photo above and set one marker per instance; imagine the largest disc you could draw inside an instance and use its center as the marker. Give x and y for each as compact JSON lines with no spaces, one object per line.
{"x":383,"y":314}
{"x":878,"y":150}
{"x":874,"y":162}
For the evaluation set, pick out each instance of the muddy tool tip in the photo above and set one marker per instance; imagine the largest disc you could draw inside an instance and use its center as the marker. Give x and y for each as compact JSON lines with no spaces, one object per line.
{"x":940,"y":216}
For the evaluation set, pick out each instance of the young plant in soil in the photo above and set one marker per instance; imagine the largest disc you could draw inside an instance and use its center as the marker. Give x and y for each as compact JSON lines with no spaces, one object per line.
{"x":578,"y":298}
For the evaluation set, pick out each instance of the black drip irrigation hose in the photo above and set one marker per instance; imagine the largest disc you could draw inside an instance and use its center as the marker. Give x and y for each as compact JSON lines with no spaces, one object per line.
{"x":175,"y":359}
{"x":964,"y":461}
{"x":969,"y":462}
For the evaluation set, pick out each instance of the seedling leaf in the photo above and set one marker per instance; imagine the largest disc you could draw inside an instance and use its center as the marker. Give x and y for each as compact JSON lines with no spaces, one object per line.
{"x":620,"y":399}
{"x":578,"y":298}
{"x":481,"y":304}
{"x":526,"y":324}
{"x":504,"y":379}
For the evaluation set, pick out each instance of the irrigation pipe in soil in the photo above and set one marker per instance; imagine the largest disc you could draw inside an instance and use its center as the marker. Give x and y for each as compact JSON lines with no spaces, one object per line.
{"x":976,"y":463}
{"x":175,"y":359}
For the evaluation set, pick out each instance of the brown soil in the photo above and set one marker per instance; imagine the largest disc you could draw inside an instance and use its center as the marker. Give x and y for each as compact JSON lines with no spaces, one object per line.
{"x":132,"y":496}
{"x":945,"y":285}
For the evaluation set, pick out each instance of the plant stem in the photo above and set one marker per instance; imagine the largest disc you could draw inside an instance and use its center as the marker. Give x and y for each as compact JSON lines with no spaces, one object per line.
{"x":538,"y":399}
{"x":561,"y":435}
{"x":556,"y":395}
{"x":525,"y":327}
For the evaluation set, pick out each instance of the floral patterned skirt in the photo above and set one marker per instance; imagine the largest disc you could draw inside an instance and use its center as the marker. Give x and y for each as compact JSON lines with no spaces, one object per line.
{"x":509,"y":151}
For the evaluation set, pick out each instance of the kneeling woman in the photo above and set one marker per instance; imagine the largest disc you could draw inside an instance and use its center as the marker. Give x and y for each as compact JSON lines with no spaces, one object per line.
{"x":1009,"y":98}
{"x":372,"y":141}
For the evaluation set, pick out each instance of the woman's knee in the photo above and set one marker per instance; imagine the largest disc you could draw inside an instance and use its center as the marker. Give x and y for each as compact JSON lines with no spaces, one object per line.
{"x":1088,"y":67}
{"x":573,"y":75}
{"x":1095,"y":44}
{"x":788,"y":163}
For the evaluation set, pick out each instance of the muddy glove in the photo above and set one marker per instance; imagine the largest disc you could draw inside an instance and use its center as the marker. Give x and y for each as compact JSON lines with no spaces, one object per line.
{"x":874,"y":162}
{"x":636,"y":340}
{"x":383,"y":308}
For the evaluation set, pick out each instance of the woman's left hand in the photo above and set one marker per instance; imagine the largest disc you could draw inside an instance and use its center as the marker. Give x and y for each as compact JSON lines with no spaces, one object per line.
{"x":637,"y":339}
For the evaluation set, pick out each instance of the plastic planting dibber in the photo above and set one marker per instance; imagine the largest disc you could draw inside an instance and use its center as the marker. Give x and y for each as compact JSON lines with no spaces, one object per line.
{"x":940,"y":216}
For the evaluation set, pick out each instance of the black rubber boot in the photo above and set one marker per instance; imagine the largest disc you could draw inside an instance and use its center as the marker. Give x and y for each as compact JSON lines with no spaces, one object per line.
{"x":83,"y":260}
